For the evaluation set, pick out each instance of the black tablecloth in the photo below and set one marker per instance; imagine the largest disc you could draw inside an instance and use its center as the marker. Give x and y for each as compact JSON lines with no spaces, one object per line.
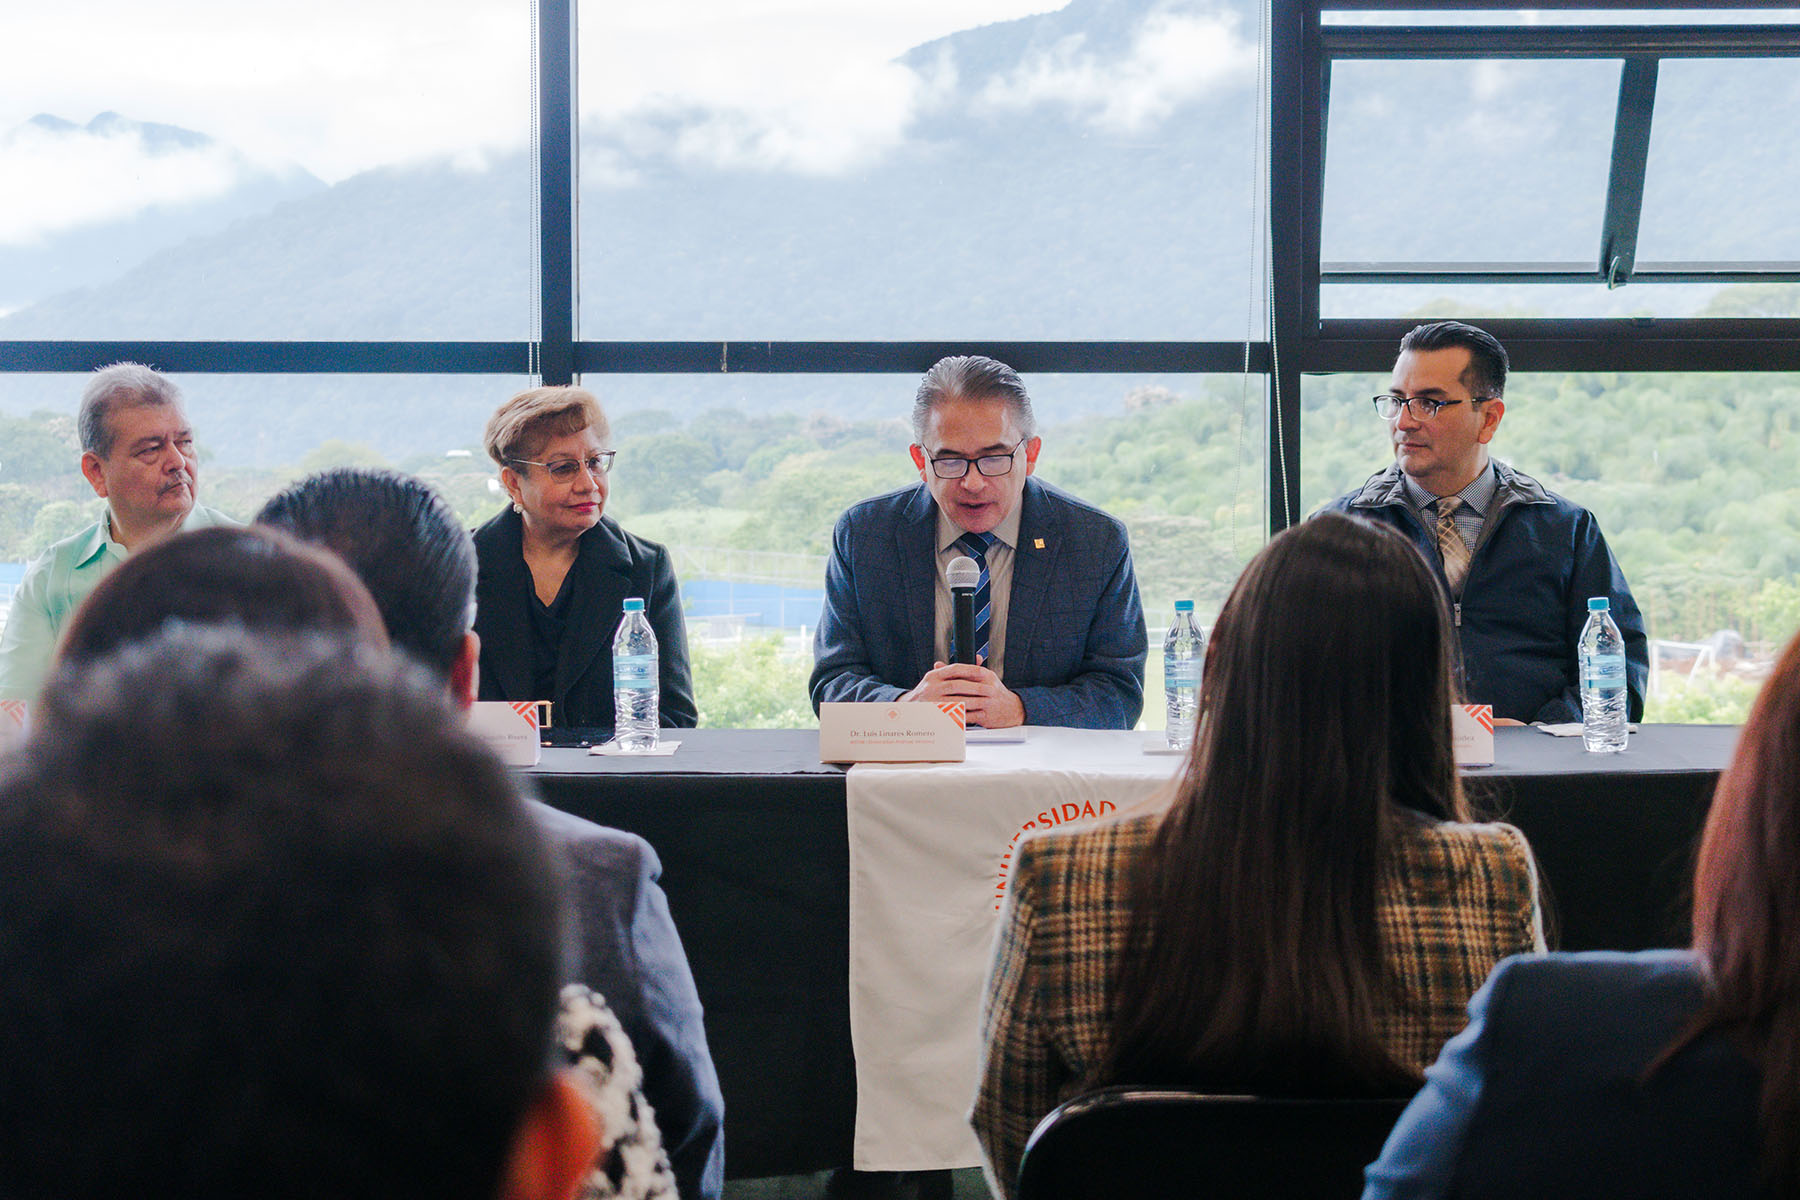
{"x":750,"y":829}
{"x":1614,"y":834}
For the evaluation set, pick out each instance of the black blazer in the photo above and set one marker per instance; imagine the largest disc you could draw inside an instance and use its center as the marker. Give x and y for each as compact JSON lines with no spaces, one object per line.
{"x":610,"y":565}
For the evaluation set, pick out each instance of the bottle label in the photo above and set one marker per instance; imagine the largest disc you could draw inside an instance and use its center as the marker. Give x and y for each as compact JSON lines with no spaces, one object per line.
{"x":1603,"y":670}
{"x":1179,"y":674}
{"x":634,"y":671}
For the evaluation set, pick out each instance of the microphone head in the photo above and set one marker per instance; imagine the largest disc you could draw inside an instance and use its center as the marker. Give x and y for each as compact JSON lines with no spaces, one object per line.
{"x":962,"y":573}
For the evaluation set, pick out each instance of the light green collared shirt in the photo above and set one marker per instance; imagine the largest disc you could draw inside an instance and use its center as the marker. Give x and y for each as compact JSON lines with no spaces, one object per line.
{"x":55,"y":584}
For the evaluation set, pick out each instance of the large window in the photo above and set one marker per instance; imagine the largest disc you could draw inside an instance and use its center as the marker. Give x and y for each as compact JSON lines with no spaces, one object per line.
{"x":283,"y":171}
{"x":743,"y":478}
{"x":906,"y":171}
{"x":352,"y":229}
{"x":255,"y":434}
{"x":1565,"y":176}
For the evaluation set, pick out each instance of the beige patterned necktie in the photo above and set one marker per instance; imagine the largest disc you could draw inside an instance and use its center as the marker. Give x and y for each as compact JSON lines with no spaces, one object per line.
{"x":1451,"y":546}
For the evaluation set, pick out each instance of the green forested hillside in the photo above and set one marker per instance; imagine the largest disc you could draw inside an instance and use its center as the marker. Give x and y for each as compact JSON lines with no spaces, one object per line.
{"x":1695,"y":478}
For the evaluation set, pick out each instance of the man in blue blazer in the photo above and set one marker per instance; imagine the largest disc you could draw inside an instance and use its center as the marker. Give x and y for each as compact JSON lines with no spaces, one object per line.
{"x":1058,"y":619}
{"x":400,"y":537}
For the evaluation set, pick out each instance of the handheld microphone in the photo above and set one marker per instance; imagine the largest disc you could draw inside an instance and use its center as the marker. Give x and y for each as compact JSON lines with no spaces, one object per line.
{"x":963,"y":575}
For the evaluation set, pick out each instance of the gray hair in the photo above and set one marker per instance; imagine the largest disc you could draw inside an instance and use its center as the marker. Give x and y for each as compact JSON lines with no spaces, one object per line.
{"x":972,"y":377}
{"x":122,"y":385}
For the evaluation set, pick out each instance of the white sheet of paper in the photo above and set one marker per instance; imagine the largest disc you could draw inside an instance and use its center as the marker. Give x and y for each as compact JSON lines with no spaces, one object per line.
{"x":609,"y":748}
{"x":1572,"y":729}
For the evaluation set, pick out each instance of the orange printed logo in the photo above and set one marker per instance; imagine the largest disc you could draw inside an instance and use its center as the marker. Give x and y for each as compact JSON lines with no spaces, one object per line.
{"x":528,"y":710}
{"x":954,"y":710}
{"x":1050,"y":818}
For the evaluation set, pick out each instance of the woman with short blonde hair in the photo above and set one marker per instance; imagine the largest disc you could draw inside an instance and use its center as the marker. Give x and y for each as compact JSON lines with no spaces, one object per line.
{"x":554,"y":570}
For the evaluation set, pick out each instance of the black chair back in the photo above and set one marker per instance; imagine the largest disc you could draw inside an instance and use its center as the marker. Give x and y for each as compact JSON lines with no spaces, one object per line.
{"x":1151,"y":1143}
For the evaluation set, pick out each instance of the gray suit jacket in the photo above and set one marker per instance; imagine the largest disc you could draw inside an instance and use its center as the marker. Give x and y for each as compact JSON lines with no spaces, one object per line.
{"x":626,"y":948}
{"x":1075,"y":643}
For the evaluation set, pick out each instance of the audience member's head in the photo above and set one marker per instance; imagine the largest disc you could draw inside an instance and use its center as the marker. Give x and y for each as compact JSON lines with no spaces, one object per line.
{"x":253,"y":579}
{"x":406,"y":545}
{"x":1747,"y":909}
{"x":1335,"y":638}
{"x":274,"y":925}
{"x":1324,"y":708}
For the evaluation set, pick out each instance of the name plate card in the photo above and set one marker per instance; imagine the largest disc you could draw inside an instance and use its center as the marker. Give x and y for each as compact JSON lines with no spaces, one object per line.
{"x":510,"y":729}
{"x":1472,"y":734}
{"x":896,"y":732}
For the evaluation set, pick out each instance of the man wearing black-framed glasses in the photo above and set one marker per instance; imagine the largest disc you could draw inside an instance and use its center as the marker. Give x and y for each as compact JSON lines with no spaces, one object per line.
{"x":1059,"y":628}
{"x":1518,"y":561}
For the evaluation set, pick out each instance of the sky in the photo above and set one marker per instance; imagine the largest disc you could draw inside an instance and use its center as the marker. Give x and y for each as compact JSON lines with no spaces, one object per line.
{"x":336,"y":87}
{"x":339,"y":86}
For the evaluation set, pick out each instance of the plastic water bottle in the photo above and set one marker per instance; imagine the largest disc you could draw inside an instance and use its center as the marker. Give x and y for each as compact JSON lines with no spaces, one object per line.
{"x":1602,"y":653}
{"x":635,"y":680}
{"x":1183,"y":651}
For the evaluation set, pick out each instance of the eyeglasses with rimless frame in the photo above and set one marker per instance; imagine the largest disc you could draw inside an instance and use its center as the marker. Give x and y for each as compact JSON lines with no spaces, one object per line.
{"x":563,"y":469}
{"x":1423,"y":408}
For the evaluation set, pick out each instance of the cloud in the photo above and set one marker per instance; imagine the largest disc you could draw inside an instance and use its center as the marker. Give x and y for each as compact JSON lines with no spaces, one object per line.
{"x":837,"y":113}
{"x":1173,"y":58}
{"x":79,"y":177}
{"x":338,"y":86}
{"x":821,"y":124}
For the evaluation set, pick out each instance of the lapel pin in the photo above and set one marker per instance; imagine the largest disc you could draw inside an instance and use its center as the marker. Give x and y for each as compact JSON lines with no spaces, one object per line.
{"x":1037,"y":543}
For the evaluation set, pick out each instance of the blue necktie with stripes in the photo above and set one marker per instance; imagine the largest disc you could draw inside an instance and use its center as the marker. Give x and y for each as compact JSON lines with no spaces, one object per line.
{"x":975,"y":545}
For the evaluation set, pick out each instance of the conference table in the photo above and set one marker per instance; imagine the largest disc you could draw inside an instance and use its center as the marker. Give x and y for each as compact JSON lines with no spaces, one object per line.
{"x":754,"y":840}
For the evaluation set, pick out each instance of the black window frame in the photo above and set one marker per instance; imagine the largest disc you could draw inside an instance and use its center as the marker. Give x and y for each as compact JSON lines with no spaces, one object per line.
{"x":1301,"y":50}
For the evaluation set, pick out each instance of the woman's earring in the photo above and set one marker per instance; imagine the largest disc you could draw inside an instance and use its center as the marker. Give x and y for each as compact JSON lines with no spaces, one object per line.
{"x":518,"y":508}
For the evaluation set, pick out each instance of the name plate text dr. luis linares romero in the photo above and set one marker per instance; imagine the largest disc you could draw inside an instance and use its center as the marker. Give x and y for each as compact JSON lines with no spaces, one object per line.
{"x":899,"y":731}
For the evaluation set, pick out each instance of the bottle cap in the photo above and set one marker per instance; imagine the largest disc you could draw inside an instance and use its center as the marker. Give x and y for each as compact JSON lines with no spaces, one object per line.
{"x":1598,"y":604}
{"x":1184,"y":606}
{"x":634,"y":604}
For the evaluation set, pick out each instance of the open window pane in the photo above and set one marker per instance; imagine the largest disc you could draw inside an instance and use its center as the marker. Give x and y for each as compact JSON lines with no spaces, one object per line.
{"x":892,"y":170}
{"x":1720,"y":183}
{"x":221,"y":171}
{"x":1459,"y":162}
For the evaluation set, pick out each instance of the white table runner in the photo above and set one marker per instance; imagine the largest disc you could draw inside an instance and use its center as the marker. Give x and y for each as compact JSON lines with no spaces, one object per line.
{"x":929,"y":848}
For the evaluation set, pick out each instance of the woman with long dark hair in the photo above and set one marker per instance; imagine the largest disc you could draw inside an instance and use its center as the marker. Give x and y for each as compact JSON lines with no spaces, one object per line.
{"x":1667,"y":1073}
{"x":1312,"y":911}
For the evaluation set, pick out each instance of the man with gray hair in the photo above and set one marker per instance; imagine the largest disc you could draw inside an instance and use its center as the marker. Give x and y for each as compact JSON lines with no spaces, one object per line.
{"x":137,"y":451}
{"x":1059,"y":629}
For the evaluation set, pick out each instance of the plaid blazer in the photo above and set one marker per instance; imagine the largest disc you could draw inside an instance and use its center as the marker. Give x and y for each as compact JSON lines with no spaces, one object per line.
{"x":1454,"y":900}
